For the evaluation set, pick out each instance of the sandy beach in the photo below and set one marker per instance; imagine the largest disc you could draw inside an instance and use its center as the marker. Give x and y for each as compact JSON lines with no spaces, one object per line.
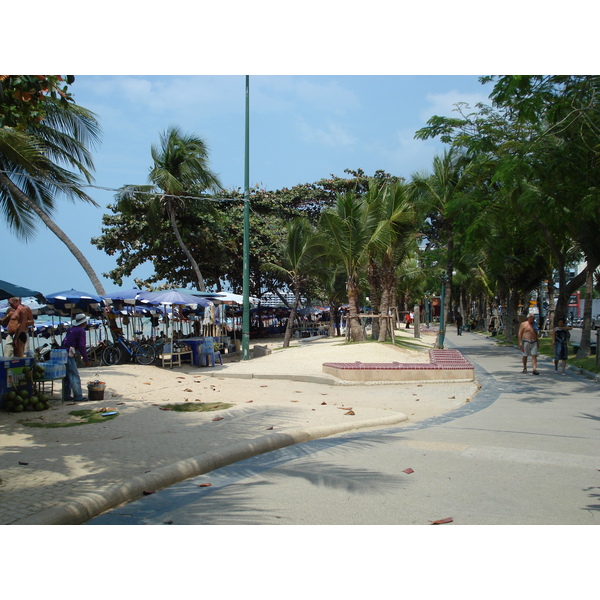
{"x":290,"y":380}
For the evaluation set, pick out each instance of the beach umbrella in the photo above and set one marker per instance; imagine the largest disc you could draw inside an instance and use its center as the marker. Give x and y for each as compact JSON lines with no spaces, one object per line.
{"x":229,"y":298}
{"x":71,"y":302}
{"x":172,"y":297}
{"x":209,"y":295}
{"x":124,"y":296}
{"x":10,"y":290}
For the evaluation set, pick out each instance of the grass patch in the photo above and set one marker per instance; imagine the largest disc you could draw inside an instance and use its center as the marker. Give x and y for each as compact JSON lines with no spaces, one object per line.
{"x":197,"y":406}
{"x":410,"y":344}
{"x":85,"y":417}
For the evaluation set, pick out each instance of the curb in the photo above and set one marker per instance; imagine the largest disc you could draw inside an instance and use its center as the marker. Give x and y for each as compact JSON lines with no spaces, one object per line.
{"x":88,"y":506}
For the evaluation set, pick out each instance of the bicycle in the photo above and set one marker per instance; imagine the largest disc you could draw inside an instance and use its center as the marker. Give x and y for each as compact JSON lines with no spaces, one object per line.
{"x":144,"y":353}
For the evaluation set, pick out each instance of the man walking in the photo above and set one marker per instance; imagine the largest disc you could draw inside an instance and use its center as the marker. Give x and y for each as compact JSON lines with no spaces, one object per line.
{"x":459,"y":324}
{"x":528,"y":342}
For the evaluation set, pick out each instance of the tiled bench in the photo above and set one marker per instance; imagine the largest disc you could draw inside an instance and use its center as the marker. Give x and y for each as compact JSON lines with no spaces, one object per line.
{"x":443,"y":365}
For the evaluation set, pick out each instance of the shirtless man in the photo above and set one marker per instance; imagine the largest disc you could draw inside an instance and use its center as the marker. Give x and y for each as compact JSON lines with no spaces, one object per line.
{"x":19,"y":319}
{"x":528,"y":342}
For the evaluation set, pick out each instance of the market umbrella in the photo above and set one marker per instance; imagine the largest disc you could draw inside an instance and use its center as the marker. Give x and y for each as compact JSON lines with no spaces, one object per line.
{"x":124,"y":296}
{"x":9,"y":290}
{"x":72,"y":302}
{"x":172,"y":297}
{"x":229,"y":298}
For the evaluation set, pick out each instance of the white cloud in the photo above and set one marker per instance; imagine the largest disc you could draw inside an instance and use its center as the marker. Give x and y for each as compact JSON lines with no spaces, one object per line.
{"x":297,"y":93}
{"x":405,"y":156}
{"x":333,"y":135}
{"x":208,"y":95}
{"x":443,"y":105}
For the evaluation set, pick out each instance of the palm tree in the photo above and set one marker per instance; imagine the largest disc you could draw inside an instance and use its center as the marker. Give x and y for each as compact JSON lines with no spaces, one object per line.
{"x":35,"y":163}
{"x":299,"y":262}
{"x":180,"y":166}
{"x":349,"y":228}
{"x":441,"y":192}
{"x":390,"y":206}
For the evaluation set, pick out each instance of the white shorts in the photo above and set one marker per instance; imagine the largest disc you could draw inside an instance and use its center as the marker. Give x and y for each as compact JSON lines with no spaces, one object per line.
{"x":530,"y":348}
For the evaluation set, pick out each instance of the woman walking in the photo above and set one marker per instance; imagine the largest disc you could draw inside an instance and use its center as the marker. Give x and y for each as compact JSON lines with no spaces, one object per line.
{"x":560,"y":339}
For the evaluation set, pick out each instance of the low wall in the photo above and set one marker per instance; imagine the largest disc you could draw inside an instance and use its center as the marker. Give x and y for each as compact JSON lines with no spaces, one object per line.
{"x":443,"y":365}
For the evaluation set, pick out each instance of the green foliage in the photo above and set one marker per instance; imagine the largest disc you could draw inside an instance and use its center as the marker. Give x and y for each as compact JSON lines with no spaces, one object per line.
{"x":23,"y":98}
{"x":197,"y":406}
{"x":213,"y":231}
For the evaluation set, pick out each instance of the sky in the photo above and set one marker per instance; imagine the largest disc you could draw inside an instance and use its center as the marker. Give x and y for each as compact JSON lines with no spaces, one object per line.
{"x":302,"y":129}
{"x":333,"y":86}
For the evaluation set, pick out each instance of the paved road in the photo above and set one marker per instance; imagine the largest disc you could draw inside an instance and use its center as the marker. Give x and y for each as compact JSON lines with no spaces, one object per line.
{"x":526,"y":450}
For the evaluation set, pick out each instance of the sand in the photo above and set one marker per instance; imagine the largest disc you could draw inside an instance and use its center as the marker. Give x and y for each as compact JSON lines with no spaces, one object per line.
{"x":278,"y":382}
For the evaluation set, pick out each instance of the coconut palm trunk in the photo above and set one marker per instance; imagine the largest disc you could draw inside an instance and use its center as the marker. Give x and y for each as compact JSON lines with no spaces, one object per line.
{"x":184,"y":248}
{"x":353,"y":295}
{"x":289,"y":328}
{"x":585,"y":347}
{"x":56,"y":230}
{"x":388,"y":285}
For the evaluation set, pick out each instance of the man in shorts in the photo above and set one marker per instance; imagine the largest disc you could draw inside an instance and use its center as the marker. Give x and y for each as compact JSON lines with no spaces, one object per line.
{"x":528,"y":342}
{"x":18,"y":320}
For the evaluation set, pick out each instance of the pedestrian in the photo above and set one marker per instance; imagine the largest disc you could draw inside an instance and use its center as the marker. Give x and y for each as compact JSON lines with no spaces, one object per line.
{"x":560,"y":339}
{"x":407,"y":321}
{"x":528,"y":342}
{"x":74,"y":342}
{"x":459,"y":323}
{"x":18,"y":319}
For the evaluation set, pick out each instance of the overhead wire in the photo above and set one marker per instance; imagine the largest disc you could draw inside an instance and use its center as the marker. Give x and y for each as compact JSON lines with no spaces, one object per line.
{"x":120,"y":190}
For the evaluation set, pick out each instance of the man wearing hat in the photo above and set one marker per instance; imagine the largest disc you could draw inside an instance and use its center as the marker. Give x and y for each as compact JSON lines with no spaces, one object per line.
{"x":74,"y":342}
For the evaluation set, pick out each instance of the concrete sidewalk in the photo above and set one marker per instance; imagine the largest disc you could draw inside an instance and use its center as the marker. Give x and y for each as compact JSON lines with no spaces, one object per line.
{"x":525,"y":451}
{"x":76,"y":473}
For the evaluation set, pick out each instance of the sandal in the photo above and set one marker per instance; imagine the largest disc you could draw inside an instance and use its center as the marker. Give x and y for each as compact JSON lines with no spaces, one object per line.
{"x":535,"y":372}
{"x":524,"y":370}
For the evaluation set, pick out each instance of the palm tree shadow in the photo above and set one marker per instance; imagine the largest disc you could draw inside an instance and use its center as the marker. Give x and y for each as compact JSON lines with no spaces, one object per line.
{"x":230,"y":497}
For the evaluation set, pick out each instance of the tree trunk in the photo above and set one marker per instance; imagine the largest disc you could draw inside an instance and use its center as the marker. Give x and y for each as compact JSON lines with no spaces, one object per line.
{"x":384,"y":311}
{"x":566,"y":289}
{"x":195,"y":267}
{"x":356,"y":331}
{"x":388,"y":284}
{"x":57,"y":231}
{"x":584,"y":347}
{"x":510,"y":318}
{"x":290,"y":324}
{"x":374,"y":296}
{"x":333,"y":315}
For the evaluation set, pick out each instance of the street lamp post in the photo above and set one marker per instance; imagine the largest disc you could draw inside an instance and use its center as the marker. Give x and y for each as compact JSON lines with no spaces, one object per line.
{"x":442,"y":332}
{"x":246,"y":249}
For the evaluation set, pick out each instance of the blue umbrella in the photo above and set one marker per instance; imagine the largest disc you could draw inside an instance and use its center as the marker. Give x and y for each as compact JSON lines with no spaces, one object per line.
{"x":127,"y":296}
{"x":123,"y":297}
{"x":172,"y":297}
{"x":73,"y":301}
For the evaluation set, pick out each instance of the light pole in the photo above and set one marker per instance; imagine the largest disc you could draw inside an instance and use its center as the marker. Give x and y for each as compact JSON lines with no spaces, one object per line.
{"x":442,"y":332}
{"x":246,"y":250}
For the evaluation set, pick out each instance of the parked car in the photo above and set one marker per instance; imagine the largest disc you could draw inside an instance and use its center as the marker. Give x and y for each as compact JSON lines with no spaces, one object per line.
{"x":596,"y":322}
